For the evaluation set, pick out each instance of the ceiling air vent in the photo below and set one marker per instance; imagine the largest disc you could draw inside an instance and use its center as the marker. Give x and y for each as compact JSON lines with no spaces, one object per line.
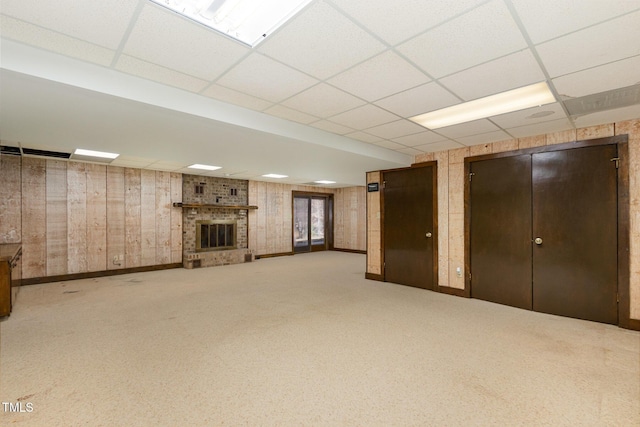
{"x":14,"y":151}
{"x":617,"y":98}
{"x":45,"y":153}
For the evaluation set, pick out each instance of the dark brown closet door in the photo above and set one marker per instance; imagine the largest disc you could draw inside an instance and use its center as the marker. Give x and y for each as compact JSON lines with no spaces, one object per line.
{"x":500,"y":246}
{"x":409,"y":233}
{"x":575,"y":218}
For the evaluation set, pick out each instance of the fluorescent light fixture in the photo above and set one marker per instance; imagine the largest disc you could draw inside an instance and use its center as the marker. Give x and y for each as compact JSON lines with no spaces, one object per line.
{"x":248,"y":21}
{"x":501,"y":103}
{"x":91,"y":153}
{"x":275,"y":175}
{"x":324,"y":181}
{"x":204,"y":167}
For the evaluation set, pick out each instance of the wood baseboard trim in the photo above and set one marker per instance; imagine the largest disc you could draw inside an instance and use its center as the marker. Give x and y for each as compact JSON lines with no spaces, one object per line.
{"x":633,"y":324}
{"x":351,"y":251}
{"x":372,"y":276}
{"x":452,"y":291}
{"x":93,"y":274}
{"x":274,"y":255}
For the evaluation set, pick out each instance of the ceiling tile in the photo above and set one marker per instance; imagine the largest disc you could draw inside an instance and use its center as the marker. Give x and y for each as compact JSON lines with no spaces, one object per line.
{"x":410,"y":151}
{"x":336,"y":42}
{"x":409,"y":19}
{"x":364,"y":117}
{"x":381,"y":76}
{"x":140,"y":68}
{"x":439,"y":146}
{"x":103,"y":23}
{"x":331,"y":127}
{"x":265,"y":78}
{"x":466,"y":41}
{"x":509,"y":72}
{"x":323,"y":101}
{"x":36,"y":36}
{"x":224,"y":94}
{"x":422,"y":99}
{"x":466,"y":129}
{"x":364,"y":137}
{"x":421,"y":138}
{"x":599,"y":79}
{"x":547,"y":19}
{"x":187,"y":47}
{"x":289,"y":114}
{"x":540,"y":128}
{"x":484,"y":138}
{"x":395,"y":129}
{"x":593,"y":46}
{"x":544,"y":113}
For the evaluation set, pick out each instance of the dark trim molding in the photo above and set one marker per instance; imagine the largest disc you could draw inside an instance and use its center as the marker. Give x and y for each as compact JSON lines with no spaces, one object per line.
{"x":371,"y":276}
{"x":633,"y":324}
{"x":274,"y":255}
{"x":353,"y":251}
{"x":453,"y":291}
{"x":93,"y":274}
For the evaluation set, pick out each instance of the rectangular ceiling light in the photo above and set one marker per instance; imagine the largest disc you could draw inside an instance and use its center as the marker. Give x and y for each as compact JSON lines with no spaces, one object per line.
{"x":91,"y":153}
{"x":324,"y":181}
{"x":248,"y":21}
{"x":275,"y":175}
{"x":204,"y":167}
{"x":501,"y":103}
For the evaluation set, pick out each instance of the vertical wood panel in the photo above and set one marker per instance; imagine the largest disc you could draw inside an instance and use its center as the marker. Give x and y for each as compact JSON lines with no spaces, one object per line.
{"x":56,"y":216}
{"x":262,"y":218}
{"x":96,"y":217}
{"x":338,"y":219}
{"x":163,"y":218}
{"x":443,"y":217}
{"x":77,"y":217}
{"x":374,"y":237}
{"x":362,"y":219}
{"x":287,"y":221}
{"x":115,"y":218}
{"x":34,"y":248}
{"x":252,"y":215}
{"x":132,"y":217}
{"x":176,"y":218}
{"x":632,"y":128}
{"x":148,"y":217}
{"x":10,"y":199}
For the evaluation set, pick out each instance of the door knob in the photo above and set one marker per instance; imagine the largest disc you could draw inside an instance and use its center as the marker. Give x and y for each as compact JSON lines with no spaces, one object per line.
{"x":428,"y":234}
{"x":538,"y":241}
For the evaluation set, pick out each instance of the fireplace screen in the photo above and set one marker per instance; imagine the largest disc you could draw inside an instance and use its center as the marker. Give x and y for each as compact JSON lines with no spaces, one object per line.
{"x":214,"y":235}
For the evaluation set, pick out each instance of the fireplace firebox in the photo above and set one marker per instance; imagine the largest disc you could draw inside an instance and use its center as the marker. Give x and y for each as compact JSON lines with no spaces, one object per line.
{"x":214,"y":235}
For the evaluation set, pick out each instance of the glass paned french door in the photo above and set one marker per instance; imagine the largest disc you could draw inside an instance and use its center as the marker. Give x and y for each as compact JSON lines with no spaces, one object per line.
{"x":311,"y":222}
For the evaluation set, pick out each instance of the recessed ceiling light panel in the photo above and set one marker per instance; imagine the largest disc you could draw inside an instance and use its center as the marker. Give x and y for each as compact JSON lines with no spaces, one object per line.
{"x":494,"y":105}
{"x":91,"y":153}
{"x":275,"y":175}
{"x":324,"y":181}
{"x":248,"y":21}
{"x":204,"y":167}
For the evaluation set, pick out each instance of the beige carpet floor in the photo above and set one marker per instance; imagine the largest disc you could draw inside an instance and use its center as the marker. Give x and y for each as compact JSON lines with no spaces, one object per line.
{"x":303,"y":341}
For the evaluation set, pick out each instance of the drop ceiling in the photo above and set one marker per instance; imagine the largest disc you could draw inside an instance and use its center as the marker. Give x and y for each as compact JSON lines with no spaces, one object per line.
{"x":327,"y":96}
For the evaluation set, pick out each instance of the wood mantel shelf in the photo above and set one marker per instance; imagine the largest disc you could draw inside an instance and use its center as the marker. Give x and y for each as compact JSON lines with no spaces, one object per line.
{"x":211,"y":206}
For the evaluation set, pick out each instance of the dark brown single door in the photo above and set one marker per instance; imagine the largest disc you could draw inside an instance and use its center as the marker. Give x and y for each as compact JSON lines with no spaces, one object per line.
{"x":575,"y":220}
{"x":500,"y":246}
{"x":409,"y":229}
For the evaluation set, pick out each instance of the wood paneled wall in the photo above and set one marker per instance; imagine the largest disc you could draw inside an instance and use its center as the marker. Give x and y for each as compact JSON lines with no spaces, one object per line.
{"x":74,"y":217}
{"x":374,"y":230}
{"x":451,"y":199}
{"x":350,"y":218}
{"x":270,"y":227}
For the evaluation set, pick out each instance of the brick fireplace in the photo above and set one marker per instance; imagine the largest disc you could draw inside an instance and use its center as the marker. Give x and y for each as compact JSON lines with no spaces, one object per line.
{"x":215,"y":231}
